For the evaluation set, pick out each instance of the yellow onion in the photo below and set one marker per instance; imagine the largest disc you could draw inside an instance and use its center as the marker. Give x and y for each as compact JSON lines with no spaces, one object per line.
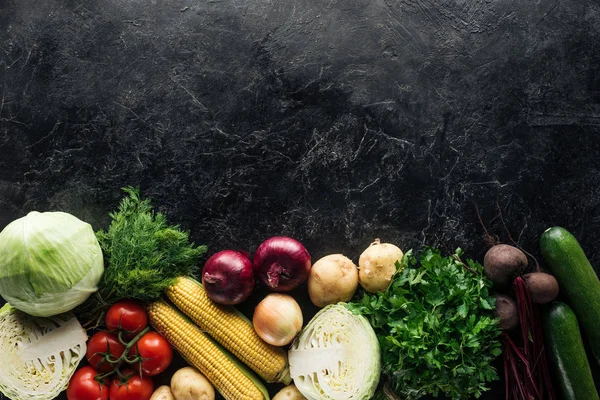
{"x":277,"y":319}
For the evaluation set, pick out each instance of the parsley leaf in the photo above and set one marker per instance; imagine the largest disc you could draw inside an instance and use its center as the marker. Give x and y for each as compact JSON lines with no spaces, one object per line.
{"x":435,"y":326}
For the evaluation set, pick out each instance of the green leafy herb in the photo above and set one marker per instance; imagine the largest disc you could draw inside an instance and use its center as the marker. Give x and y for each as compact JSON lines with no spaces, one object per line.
{"x":435,"y":327}
{"x":143,"y":255}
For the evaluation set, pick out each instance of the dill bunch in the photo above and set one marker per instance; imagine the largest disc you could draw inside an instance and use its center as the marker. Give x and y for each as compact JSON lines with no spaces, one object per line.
{"x":143,"y":255}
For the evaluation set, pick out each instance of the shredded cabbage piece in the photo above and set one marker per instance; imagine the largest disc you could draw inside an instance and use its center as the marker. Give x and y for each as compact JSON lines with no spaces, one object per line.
{"x":336,"y":356}
{"x":39,"y":354}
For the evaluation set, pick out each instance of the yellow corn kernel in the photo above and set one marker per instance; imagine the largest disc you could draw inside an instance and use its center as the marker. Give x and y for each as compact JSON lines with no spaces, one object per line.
{"x":199,"y":351}
{"x":231,"y":330}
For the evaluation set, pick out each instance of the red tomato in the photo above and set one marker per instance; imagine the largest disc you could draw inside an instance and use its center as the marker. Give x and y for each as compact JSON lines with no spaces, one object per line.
{"x":127,"y":315}
{"x":84,"y":386}
{"x":100,"y":346}
{"x":136,"y":388}
{"x":155,"y":351}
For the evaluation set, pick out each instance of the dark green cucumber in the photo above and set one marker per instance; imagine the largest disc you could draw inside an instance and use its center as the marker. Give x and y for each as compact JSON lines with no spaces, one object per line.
{"x":566,"y":354}
{"x":577,"y":280}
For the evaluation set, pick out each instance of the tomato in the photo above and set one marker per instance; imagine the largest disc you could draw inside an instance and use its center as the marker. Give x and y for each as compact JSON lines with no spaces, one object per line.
{"x":84,"y":386}
{"x":127,"y":315}
{"x":136,"y":388}
{"x":102,"y":345}
{"x":155,"y":351}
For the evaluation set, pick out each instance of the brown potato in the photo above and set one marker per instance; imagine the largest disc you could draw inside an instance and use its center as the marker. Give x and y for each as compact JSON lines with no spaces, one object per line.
{"x":377,"y":265}
{"x":332,"y":279}
{"x":289,"y":393}
{"x":189,"y":384}
{"x":162,"y":393}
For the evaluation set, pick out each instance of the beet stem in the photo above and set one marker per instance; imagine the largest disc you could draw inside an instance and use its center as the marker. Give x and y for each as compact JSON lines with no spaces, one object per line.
{"x":532,"y":379}
{"x":537,"y":265}
{"x":505,"y":359}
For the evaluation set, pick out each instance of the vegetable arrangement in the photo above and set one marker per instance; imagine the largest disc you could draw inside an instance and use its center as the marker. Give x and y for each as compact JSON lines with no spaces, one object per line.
{"x":392,"y":324}
{"x":526,"y":373}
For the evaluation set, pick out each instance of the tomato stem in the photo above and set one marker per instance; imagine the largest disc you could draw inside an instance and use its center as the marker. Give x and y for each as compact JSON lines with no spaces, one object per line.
{"x":124,"y":357}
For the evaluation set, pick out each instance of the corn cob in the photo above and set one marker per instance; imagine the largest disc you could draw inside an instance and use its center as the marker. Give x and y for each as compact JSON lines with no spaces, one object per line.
{"x":232,"y":330}
{"x":228,"y":377}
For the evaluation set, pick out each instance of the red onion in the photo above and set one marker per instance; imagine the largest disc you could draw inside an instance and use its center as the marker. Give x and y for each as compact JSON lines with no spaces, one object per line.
{"x":228,"y":277}
{"x":282,"y":263}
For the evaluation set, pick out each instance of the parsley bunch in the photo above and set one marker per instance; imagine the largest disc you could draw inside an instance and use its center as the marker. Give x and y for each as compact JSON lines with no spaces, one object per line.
{"x":435,"y":327}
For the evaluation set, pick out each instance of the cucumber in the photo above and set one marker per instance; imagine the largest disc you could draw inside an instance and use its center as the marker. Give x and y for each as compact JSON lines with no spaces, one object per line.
{"x":577,"y":280}
{"x":566,"y":353}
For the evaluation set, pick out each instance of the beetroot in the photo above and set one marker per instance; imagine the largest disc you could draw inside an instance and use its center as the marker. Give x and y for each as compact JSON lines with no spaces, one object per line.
{"x":543,"y":288}
{"x":502,"y":263}
{"x":506,"y":310}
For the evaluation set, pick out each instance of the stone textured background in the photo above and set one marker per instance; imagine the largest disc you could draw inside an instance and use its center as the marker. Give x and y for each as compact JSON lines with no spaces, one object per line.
{"x":334,"y":122}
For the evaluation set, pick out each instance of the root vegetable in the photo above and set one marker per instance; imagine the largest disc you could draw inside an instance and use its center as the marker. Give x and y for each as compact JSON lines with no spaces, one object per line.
{"x":332,"y":279}
{"x":189,"y":384}
{"x":543,"y":288}
{"x":277,"y":319}
{"x":506,"y":310}
{"x":162,"y":393}
{"x":290,"y":392}
{"x":377,"y":264}
{"x":502,"y":263}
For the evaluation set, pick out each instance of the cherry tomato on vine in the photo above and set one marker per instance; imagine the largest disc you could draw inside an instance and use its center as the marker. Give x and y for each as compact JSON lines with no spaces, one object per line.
{"x":127,"y":315}
{"x":136,"y":388}
{"x":84,"y":386}
{"x":103,"y":345}
{"x":155,"y":351}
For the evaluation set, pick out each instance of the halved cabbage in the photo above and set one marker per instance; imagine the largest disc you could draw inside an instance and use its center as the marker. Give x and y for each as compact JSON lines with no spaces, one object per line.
{"x":39,"y":355}
{"x":336,"y":356}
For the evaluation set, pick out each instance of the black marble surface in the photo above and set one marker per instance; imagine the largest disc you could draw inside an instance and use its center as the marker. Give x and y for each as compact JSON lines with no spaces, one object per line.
{"x":331,"y":121}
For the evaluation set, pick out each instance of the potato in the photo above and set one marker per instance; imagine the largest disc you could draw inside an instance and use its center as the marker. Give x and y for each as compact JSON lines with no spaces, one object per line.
{"x":162,"y":393}
{"x":189,"y":384}
{"x":289,"y":393}
{"x":332,"y":279}
{"x":502,"y":263}
{"x":377,"y":265}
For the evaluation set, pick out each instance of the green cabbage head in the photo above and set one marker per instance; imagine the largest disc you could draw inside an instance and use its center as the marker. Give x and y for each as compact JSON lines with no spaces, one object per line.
{"x":49,"y":263}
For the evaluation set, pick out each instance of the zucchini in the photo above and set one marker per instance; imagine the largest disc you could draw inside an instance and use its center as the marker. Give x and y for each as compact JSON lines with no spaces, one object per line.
{"x":566,"y":353}
{"x":578,"y":282}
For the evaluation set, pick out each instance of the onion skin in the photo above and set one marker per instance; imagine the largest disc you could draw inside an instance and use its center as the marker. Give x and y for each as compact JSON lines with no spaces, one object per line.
{"x":282,"y":263}
{"x":277,"y":319}
{"x":228,"y":277}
